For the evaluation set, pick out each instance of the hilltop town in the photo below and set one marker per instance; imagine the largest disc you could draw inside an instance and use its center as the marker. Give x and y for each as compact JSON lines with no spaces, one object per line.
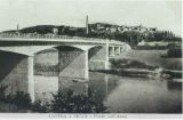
{"x":104,"y":27}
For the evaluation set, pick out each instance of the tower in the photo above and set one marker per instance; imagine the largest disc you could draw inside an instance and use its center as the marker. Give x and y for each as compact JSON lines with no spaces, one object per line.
{"x":87,"y":25}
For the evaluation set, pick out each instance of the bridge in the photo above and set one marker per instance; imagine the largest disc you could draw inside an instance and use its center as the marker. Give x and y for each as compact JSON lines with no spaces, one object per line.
{"x":76,"y":56}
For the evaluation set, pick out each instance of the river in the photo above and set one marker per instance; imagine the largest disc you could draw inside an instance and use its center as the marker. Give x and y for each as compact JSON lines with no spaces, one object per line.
{"x":121,"y":94}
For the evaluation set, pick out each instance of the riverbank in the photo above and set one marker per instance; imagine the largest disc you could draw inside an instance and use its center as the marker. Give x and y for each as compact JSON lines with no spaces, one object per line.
{"x":134,"y":68}
{"x":169,"y":65}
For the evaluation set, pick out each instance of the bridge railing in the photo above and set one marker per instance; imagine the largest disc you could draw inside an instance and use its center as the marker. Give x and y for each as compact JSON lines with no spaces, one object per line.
{"x":38,"y":36}
{"x":52,"y":36}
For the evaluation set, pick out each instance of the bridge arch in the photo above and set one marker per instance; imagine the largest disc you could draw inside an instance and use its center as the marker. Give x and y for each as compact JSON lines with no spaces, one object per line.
{"x":57,"y":47}
{"x":11,"y":51}
{"x":98,"y":57}
{"x":32,"y":50}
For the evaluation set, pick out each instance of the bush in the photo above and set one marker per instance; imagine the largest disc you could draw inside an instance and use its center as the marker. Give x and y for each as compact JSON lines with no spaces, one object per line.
{"x":2,"y":93}
{"x":39,"y":107}
{"x":67,"y":102}
{"x":175,"y":52}
{"x":128,"y":63}
{"x":21,"y":99}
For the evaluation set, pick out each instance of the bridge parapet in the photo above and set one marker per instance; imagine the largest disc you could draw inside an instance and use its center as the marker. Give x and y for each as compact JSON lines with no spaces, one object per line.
{"x":38,"y":36}
{"x":52,"y":37}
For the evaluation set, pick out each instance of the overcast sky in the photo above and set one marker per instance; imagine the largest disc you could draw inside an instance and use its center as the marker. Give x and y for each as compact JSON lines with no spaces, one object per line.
{"x":163,"y":14}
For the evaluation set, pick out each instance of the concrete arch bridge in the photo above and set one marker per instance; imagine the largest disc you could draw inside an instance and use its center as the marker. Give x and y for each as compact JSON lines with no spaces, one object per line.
{"x":76,"y":56}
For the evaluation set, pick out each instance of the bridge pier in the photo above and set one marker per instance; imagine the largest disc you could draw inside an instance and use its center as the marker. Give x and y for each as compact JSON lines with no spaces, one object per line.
{"x":17,"y":73}
{"x":111,"y":51}
{"x":121,"y":49}
{"x":117,"y":50}
{"x":73,"y":66}
{"x":30,"y":76}
{"x":98,"y":58}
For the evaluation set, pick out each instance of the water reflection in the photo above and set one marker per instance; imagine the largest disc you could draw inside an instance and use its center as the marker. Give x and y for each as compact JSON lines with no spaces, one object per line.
{"x":102,"y":84}
{"x":77,"y":87}
{"x":99,"y":84}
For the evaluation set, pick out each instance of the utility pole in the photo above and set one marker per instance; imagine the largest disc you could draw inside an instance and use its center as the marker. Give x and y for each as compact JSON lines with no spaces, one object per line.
{"x":87,"y":31}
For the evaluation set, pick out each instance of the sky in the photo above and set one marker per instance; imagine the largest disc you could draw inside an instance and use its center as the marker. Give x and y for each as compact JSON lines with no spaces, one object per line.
{"x":163,"y":14}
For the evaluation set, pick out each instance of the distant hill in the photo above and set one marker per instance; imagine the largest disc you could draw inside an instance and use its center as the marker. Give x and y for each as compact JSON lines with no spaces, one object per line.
{"x":49,"y":29}
{"x":41,"y":29}
{"x":62,"y":30}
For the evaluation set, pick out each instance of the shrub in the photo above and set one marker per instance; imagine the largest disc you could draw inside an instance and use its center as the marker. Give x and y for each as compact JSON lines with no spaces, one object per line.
{"x":67,"y":102}
{"x":21,"y":99}
{"x":39,"y":107}
{"x":175,"y":52}
{"x":2,"y":93}
{"x":128,"y":63}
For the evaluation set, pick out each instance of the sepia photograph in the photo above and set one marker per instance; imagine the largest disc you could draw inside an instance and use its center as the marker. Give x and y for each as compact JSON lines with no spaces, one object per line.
{"x":91,"y":58}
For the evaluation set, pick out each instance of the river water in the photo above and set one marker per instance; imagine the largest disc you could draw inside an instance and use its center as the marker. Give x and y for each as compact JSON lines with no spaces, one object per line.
{"x":121,"y":94}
